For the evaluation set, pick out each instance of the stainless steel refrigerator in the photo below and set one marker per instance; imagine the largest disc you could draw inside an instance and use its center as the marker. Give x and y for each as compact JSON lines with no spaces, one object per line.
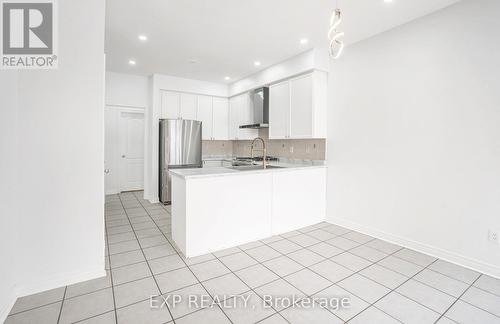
{"x":180,"y":147}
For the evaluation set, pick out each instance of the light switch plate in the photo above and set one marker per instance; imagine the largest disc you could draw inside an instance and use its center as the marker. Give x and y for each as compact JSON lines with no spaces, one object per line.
{"x":494,"y":236}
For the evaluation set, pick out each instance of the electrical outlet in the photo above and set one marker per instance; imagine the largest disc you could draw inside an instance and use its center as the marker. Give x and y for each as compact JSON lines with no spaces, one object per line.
{"x":291,"y":149}
{"x":494,"y":236}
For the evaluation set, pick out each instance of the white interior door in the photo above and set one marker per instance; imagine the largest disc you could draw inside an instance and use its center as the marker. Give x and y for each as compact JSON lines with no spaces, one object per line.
{"x":131,"y":151}
{"x":111,"y":151}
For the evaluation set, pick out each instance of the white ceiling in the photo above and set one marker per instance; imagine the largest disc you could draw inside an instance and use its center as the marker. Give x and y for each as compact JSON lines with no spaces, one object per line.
{"x":225,"y":37}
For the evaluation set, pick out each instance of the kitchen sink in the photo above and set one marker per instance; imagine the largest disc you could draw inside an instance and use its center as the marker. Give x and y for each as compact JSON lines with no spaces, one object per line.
{"x":253,"y":167}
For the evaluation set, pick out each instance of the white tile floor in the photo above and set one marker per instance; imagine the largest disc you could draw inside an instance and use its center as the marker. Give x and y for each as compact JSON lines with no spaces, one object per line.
{"x":385,"y":283}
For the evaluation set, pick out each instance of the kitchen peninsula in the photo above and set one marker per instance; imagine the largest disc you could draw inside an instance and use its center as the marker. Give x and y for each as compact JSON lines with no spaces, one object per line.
{"x":218,"y":208}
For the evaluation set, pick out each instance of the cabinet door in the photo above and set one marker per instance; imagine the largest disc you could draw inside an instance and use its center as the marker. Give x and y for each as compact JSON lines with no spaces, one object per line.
{"x":234,"y":116}
{"x":170,"y":104}
{"x":204,"y":114}
{"x":246,"y":117}
{"x":188,"y":106}
{"x":212,"y":163}
{"x":301,"y":107}
{"x":220,"y":119}
{"x":279,"y":110}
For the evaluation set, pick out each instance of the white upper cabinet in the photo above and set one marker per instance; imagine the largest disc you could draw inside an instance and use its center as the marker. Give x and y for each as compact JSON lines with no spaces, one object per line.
{"x":213,"y":113}
{"x":241,"y":113}
{"x":178,"y":105}
{"x":170,"y":105}
{"x":189,"y":105}
{"x":301,"y":107}
{"x":220,"y":128}
{"x":234,"y":122}
{"x":205,"y":115}
{"x":279,"y":110}
{"x":298,"y":107}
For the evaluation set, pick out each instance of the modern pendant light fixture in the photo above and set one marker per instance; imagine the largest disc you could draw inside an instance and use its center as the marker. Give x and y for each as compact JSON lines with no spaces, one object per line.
{"x":334,"y":36}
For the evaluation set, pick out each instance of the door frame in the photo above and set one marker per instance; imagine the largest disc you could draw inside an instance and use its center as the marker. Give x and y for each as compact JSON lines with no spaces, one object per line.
{"x":115,"y":164}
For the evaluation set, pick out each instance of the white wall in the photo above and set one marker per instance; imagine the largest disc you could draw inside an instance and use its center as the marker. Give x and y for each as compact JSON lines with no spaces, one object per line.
{"x":126,"y":90}
{"x":414,"y":136}
{"x":159,"y":83}
{"x":60,"y":195}
{"x":8,"y":197}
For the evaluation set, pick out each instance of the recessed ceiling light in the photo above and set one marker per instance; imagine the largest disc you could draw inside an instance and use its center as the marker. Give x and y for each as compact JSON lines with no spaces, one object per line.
{"x":132,"y":62}
{"x":256,"y":63}
{"x":143,"y":38}
{"x":304,"y":41}
{"x":227,"y":78}
{"x":387,"y":1}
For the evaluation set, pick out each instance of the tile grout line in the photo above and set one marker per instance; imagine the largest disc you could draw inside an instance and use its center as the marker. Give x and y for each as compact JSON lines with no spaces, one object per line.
{"x":251,"y":289}
{"x":149,"y":267}
{"x":187,"y":266}
{"x":307,"y":247}
{"x":457,"y":299}
{"x":263,"y":244}
{"x":393,"y":290}
{"x":109,"y":263}
{"x":62,"y":304}
{"x":372,"y":263}
{"x":464,"y":301}
{"x":302,"y":247}
{"x":282,"y":278}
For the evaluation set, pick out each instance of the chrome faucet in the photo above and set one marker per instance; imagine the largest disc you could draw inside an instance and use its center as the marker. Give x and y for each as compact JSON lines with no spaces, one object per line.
{"x":263,"y":150}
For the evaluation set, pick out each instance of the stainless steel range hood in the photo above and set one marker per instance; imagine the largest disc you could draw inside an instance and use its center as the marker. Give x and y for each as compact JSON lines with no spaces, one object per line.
{"x":260,"y":102}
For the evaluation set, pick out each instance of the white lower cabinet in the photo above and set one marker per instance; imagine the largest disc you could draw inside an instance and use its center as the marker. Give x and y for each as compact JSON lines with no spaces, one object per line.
{"x":294,"y":206}
{"x":216,"y":163}
{"x":213,"y":212}
{"x":212,"y":163}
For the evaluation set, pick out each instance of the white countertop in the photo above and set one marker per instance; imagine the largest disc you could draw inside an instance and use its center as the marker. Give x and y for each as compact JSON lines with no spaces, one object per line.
{"x":225,"y":171}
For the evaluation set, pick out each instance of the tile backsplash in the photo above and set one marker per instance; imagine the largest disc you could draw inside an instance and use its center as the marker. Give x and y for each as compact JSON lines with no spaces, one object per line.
{"x":217,"y":148}
{"x":306,"y":149}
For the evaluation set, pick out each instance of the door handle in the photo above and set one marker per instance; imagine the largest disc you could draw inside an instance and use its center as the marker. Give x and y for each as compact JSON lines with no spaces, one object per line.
{"x":106,"y":171}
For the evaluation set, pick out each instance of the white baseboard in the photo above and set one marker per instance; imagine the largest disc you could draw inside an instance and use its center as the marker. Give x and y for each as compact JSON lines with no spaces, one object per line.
{"x":436,"y":252}
{"x":35,"y":286}
{"x":8,"y":304}
{"x":64,"y":279}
